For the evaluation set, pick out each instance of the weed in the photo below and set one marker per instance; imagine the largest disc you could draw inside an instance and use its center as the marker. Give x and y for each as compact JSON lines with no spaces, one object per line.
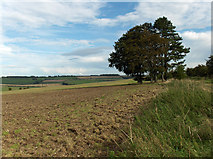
{"x":15,"y":146}
{"x":54,"y":134}
{"x":112,"y":154}
{"x":4,"y":133}
{"x":17,"y":131}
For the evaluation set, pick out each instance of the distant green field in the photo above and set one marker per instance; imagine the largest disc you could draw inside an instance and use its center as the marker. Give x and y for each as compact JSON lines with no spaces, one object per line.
{"x":9,"y":88}
{"x":19,"y":81}
{"x":84,"y":85}
{"x":63,"y":80}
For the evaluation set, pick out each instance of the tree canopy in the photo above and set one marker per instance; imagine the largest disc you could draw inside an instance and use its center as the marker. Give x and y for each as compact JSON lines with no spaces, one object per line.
{"x":138,"y":51}
{"x":148,"y":49}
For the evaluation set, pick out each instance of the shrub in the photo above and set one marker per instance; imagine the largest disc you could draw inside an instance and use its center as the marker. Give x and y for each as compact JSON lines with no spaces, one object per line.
{"x":179,"y":73}
{"x":65,"y":83}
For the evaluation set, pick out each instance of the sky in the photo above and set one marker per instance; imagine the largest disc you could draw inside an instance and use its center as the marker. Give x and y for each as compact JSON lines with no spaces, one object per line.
{"x":75,"y":37}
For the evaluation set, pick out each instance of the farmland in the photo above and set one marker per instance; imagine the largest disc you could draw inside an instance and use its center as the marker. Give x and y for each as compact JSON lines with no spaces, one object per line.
{"x":105,"y":119}
{"x":70,"y":122}
{"x":20,"y":83}
{"x":25,"y":80}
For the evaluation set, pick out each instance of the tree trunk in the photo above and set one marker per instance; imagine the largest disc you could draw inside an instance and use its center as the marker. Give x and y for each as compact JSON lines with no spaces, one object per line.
{"x":162,"y":77}
{"x":140,"y":79}
{"x":151,"y":79}
{"x":140,"y":82}
{"x":155,"y":78}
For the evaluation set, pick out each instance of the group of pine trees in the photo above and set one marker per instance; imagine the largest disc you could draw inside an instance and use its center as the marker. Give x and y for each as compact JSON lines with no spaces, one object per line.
{"x":152,"y":49}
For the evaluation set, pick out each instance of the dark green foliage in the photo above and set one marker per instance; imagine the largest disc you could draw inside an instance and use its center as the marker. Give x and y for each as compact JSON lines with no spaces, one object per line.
{"x":65,"y":83}
{"x":199,"y":71}
{"x":190,"y":72}
{"x":37,"y":82}
{"x":179,"y":73}
{"x":209,"y":64}
{"x":139,"y":51}
{"x":153,"y":49}
{"x":176,"y":51}
{"x":18,"y":80}
{"x":109,"y":75}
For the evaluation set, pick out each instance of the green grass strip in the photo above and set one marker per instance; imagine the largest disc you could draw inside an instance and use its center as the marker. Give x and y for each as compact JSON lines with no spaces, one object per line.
{"x":178,"y":123}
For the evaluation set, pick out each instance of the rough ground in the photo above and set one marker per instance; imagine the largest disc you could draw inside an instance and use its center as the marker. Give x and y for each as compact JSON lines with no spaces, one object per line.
{"x":78,"y":122}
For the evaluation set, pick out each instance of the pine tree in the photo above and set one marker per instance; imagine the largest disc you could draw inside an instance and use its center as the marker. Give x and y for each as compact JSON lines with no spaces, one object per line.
{"x":176,"y":51}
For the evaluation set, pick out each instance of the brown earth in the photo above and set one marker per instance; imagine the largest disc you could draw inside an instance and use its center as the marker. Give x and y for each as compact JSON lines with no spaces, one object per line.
{"x":77,"y":122}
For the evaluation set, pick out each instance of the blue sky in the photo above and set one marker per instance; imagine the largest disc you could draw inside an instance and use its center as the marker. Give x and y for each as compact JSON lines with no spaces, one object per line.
{"x":63,"y":37}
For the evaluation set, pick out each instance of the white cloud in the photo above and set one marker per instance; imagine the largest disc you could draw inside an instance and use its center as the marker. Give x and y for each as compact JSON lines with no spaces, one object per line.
{"x":101,"y":40}
{"x":200,"y":44}
{"x":61,"y":42}
{"x":191,"y":35}
{"x":25,"y":62}
{"x":93,"y":59}
{"x":5,"y":50}
{"x":63,"y":70}
{"x":38,"y":13}
{"x":183,"y":15}
{"x":105,"y":22}
{"x":31,"y":14}
{"x":54,"y":42}
{"x":20,"y":61}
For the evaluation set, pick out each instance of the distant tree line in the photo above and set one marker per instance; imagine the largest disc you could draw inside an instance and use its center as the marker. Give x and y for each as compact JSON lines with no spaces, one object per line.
{"x":202,"y":70}
{"x":35,"y":77}
{"x":38,"y":76}
{"x":109,"y":75}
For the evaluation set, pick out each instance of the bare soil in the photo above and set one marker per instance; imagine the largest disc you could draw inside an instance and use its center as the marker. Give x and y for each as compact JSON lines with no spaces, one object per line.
{"x":70,"y":123}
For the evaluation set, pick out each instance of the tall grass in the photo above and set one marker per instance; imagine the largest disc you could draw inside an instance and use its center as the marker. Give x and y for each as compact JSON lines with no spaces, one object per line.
{"x":178,"y":123}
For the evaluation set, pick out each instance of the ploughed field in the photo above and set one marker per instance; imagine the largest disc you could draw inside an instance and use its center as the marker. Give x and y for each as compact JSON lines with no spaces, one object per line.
{"x":76,"y":122}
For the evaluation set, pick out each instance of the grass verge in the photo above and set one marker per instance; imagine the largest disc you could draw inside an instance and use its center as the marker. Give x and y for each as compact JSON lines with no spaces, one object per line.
{"x":178,"y":123}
